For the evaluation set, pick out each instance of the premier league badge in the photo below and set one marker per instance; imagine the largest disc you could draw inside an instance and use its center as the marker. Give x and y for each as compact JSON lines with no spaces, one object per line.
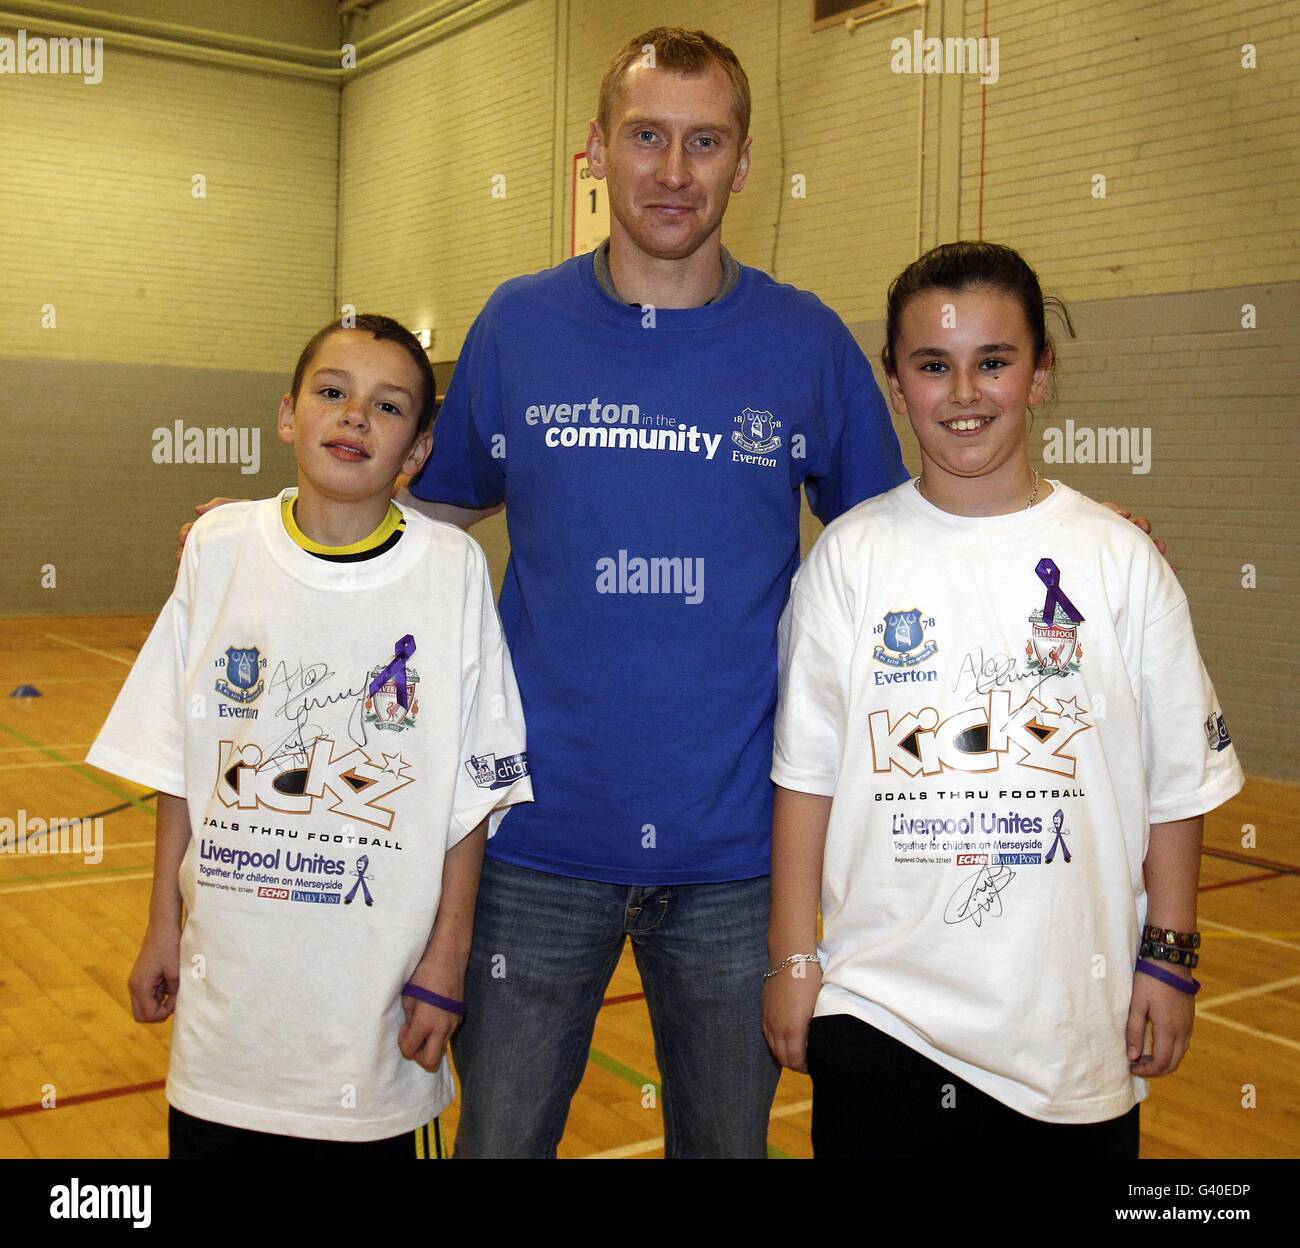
{"x":1216,"y":732}
{"x":757,"y":433}
{"x":383,"y":707}
{"x":243,"y":681}
{"x":490,"y":772}
{"x":904,"y":633}
{"x":482,"y":769}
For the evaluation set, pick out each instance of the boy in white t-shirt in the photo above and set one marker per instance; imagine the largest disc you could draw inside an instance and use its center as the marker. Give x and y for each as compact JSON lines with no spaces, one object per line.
{"x":994,"y":746}
{"x":327,"y":709}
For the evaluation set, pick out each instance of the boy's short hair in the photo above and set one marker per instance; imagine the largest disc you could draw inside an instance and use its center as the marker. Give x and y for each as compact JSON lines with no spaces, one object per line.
{"x":386,"y":330}
{"x":682,"y":52}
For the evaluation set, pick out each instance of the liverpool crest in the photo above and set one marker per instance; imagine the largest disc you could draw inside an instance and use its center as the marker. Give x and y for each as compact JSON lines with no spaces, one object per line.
{"x":1053,"y":649}
{"x":383,"y":708}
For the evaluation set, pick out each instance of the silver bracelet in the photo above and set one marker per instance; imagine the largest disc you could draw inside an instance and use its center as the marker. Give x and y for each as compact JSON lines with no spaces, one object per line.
{"x":790,"y":961}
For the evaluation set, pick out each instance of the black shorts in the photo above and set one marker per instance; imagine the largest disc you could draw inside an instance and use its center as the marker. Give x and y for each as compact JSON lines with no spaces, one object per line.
{"x":196,"y":1139}
{"x":874,"y":1097}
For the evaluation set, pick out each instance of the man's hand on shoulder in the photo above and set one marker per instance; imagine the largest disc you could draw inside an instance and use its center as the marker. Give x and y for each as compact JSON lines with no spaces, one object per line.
{"x":1142,"y":523}
{"x":201,"y":509}
{"x":461,"y":517}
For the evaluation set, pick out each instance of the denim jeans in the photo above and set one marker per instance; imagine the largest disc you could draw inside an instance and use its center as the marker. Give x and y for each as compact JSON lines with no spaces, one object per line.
{"x":545,"y":948}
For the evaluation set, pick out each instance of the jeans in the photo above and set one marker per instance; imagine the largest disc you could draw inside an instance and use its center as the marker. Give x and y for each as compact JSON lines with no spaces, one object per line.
{"x":545,"y":948}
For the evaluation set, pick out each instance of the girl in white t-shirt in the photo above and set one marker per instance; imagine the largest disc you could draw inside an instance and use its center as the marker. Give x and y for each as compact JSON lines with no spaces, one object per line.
{"x":994,"y":747}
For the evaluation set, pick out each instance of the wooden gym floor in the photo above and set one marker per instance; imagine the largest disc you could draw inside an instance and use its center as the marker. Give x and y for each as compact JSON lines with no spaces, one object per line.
{"x":69,"y":934}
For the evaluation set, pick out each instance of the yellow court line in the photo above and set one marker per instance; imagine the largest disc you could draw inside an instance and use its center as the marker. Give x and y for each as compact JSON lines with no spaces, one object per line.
{"x":649,"y":1146}
{"x":34,"y":766}
{"x":12,"y":857}
{"x":28,"y":749}
{"x":103,"y":879}
{"x":103,"y":654}
{"x":1247,"y":934}
{"x":1257,"y":1032}
{"x":1242,"y":993}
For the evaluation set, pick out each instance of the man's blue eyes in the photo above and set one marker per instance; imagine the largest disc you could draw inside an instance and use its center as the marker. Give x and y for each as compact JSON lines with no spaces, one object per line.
{"x":702,"y":141}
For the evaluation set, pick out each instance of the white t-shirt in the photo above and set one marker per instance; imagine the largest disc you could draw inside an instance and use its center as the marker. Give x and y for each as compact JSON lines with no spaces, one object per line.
{"x":320,"y":811}
{"x":994,"y":774}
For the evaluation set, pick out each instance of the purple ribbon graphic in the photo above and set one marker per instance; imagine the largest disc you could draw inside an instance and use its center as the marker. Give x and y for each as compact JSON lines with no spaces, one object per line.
{"x":1050,"y":575}
{"x":1058,"y":826}
{"x":396,"y":670}
{"x":362,"y":863}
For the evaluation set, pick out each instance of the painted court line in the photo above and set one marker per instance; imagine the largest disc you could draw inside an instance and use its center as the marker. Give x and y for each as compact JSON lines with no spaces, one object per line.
{"x":1245,"y":879}
{"x":1251,"y":860}
{"x":26,"y":749}
{"x":103,"y":654}
{"x":84,"y":1098}
{"x":1245,"y":934}
{"x":649,"y":1146}
{"x":1243,"y":993}
{"x":80,"y":768}
{"x":1257,"y":1032}
{"x":114,"y":879}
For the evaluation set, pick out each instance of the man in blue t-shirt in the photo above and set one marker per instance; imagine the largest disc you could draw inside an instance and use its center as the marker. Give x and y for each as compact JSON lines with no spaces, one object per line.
{"x":647,"y":413}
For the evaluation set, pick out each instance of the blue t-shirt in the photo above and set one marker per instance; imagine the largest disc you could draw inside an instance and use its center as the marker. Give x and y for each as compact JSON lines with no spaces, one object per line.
{"x":651,"y":475}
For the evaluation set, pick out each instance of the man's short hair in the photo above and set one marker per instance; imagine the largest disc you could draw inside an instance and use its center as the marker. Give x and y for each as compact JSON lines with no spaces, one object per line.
{"x":681,"y":52}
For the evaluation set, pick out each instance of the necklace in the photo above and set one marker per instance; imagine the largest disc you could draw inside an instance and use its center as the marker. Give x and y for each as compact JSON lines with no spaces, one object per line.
{"x":916,"y":481}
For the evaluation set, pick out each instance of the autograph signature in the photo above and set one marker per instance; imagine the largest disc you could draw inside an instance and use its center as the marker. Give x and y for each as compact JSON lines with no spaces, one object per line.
{"x":303,"y":691}
{"x":978,"y":895}
{"x":992,"y":672}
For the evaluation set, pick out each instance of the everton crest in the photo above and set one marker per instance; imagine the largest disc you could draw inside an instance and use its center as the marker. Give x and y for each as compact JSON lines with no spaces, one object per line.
{"x":242,"y":682}
{"x":904,"y":638}
{"x":1053,"y":649}
{"x":757,"y":432}
{"x":383,"y":707}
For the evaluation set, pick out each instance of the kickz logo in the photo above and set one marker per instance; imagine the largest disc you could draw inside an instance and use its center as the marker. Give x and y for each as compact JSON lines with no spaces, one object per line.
{"x":979,"y":738}
{"x":292,"y":783}
{"x":757,"y":433}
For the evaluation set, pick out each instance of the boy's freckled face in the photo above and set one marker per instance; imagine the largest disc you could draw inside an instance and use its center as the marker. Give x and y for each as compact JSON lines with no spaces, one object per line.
{"x":352,"y":427}
{"x":966,"y":373}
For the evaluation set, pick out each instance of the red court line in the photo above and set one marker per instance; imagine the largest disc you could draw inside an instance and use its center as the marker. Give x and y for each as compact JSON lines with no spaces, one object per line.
{"x":1252,"y":860}
{"x":1245,"y":879}
{"x":131,"y":1089}
{"x":85,"y":1097}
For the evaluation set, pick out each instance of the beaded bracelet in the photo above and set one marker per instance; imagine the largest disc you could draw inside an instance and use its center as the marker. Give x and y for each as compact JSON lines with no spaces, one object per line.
{"x":1167,"y":953}
{"x":1167,"y":936}
{"x":790,"y":961}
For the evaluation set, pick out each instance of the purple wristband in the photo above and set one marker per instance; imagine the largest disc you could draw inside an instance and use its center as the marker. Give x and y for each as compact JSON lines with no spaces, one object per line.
{"x":1168,"y":977}
{"x":433,"y":998}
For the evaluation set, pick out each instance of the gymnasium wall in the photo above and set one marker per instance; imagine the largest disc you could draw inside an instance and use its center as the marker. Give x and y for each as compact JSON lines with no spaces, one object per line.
{"x":134,"y":297}
{"x":1195,"y":224}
